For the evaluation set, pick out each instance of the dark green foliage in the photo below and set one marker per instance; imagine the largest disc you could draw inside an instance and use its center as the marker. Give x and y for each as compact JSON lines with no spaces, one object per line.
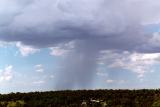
{"x":68,"y":98}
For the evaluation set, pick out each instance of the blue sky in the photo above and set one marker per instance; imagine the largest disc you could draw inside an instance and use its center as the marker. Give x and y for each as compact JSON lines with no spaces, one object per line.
{"x":38,"y":70}
{"x":79,"y":44}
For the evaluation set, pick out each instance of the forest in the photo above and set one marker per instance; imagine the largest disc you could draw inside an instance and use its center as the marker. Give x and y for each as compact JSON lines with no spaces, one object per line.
{"x":83,"y":98}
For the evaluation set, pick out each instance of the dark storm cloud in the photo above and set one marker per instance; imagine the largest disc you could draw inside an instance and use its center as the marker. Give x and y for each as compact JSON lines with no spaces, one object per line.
{"x":94,"y":25}
{"x":46,"y":23}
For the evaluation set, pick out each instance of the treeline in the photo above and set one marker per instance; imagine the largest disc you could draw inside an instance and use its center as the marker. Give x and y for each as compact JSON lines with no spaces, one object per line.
{"x":78,"y":98}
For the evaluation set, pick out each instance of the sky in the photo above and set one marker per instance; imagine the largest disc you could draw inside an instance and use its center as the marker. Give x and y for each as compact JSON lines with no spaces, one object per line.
{"x":79,"y":44}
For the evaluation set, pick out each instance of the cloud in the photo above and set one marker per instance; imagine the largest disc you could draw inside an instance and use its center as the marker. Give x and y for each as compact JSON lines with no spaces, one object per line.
{"x":139,"y":63}
{"x":62,"y":49}
{"x":26,"y":50}
{"x":93,"y":25}
{"x":63,"y":21}
{"x":9,"y":9}
{"x":4,"y":44}
{"x":51,"y":76}
{"x":40,"y":82}
{"x":6,"y":74}
{"x":57,"y":51}
{"x":102,"y":74}
{"x":39,"y":68}
{"x":155,"y":40}
{"x":110,"y":81}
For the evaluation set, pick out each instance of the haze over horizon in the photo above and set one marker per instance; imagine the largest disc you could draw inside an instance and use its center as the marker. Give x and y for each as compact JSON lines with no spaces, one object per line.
{"x":79,"y":44}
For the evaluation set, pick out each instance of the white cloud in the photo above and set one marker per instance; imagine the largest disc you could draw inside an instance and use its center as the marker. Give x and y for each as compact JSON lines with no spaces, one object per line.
{"x":51,"y":76}
{"x":4,"y":44}
{"x":102,"y":74}
{"x":155,"y":40}
{"x":6,"y":74}
{"x":109,"y":81}
{"x":39,"y":68}
{"x":62,"y":49}
{"x":58,"y":51}
{"x":139,"y":63}
{"x":26,"y":50}
{"x":39,"y":82}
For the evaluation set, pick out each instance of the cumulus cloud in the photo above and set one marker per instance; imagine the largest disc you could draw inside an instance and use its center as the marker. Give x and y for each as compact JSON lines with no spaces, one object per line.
{"x":6,"y":74}
{"x":110,"y":81}
{"x":26,"y":50}
{"x":38,"y":65}
{"x":39,"y":68}
{"x":4,"y":44}
{"x":38,"y":83}
{"x":51,"y":76}
{"x":57,"y":51}
{"x":102,"y":74}
{"x":62,"y":49}
{"x":155,"y":40}
{"x":139,"y":63}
